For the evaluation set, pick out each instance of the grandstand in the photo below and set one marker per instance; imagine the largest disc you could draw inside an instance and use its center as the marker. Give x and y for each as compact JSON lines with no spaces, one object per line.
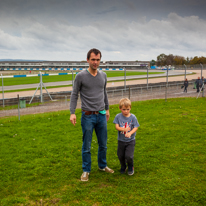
{"x":67,"y":65}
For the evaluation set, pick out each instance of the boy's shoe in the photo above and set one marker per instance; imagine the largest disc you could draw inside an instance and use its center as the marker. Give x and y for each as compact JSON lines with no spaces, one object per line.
{"x":131,"y":172}
{"x":85,"y":176}
{"x":122,"y":170}
{"x":107,"y":169}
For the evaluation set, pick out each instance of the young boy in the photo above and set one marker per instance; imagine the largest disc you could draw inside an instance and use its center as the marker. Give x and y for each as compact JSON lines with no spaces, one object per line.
{"x":127,"y":125}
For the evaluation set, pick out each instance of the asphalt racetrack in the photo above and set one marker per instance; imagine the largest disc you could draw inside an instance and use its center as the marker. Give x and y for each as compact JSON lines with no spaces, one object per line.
{"x":173,"y":75}
{"x":63,"y":83}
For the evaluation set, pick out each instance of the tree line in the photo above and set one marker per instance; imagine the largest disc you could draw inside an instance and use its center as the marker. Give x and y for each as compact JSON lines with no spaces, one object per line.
{"x":171,"y":59}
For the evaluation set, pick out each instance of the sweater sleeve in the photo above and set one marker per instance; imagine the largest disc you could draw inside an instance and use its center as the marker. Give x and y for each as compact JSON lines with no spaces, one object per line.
{"x":106,"y":102}
{"x":74,"y":95}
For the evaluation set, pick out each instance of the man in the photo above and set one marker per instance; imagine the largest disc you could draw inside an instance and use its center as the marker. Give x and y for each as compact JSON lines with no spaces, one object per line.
{"x":198,"y":84}
{"x":91,"y":84}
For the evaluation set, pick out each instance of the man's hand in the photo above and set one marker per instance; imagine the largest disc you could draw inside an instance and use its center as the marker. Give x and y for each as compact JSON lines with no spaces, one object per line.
{"x":107,"y":115}
{"x":73,"y":119}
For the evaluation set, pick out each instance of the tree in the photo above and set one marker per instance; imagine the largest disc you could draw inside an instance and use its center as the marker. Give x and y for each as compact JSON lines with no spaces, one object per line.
{"x":188,"y":60}
{"x":203,"y":60}
{"x":161,"y":59}
{"x":195,"y":60}
{"x":179,"y":60}
{"x":170,"y":59}
{"x":152,"y":62}
{"x":198,"y":60}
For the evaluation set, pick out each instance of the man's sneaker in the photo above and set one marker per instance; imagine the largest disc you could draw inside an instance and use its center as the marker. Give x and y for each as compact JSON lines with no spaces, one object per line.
{"x":85,"y":176}
{"x":107,"y":169}
{"x":131,"y":172}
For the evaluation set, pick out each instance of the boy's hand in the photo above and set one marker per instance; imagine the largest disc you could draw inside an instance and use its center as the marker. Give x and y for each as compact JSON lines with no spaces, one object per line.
{"x":128,"y":135}
{"x":127,"y":129}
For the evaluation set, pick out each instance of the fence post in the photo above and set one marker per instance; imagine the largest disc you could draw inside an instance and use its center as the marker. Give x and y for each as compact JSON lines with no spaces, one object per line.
{"x":124,"y":78}
{"x":201,"y":70}
{"x":202,"y":81}
{"x":185,"y":70}
{"x":166,"y":85}
{"x":41,"y":94}
{"x":41,"y":87}
{"x":147,"y":77}
{"x":18,"y":106}
{"x":167,"y":75}
{"x":129,"y":92}
{"x":72,"y":78}
{"x":65,"y":100}
{"x":2,"y":89}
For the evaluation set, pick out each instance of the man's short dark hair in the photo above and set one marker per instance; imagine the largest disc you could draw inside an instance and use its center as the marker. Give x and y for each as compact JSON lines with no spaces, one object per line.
{"x":95,"y":51}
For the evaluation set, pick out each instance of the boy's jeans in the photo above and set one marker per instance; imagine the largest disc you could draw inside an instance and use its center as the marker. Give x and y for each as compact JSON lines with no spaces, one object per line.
{"x":125,"y":153}
{"x":99,"y":123}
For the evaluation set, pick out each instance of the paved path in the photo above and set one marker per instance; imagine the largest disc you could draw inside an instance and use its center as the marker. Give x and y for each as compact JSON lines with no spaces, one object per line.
{"x":171,"y":78}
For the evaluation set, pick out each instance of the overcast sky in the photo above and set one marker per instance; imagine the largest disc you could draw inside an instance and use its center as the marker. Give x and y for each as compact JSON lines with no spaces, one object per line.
{"x":122,"y":29}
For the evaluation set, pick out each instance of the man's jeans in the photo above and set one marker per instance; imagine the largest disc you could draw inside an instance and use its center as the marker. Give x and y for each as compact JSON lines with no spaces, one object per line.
{"x":99,"y":123}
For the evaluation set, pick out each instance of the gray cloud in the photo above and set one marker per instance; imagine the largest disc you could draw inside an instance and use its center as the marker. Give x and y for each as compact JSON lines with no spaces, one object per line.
{"x":123,"y":30}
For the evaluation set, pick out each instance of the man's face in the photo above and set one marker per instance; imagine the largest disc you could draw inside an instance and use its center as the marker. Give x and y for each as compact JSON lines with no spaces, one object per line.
{"x":94,"y":61}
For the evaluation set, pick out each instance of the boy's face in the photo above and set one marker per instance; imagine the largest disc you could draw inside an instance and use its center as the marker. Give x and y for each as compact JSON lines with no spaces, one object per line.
{"x":125,"y":111}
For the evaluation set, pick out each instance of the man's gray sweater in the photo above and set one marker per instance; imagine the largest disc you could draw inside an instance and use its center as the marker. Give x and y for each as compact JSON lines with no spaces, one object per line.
{"x":92,"y":92}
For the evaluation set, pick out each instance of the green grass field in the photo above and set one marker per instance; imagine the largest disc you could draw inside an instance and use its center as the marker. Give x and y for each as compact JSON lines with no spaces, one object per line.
{"x":40,"y":158}
{"x":33,"y":80}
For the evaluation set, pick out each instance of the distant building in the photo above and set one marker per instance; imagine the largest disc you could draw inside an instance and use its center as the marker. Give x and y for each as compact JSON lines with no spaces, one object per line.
{"x":40,"y":65}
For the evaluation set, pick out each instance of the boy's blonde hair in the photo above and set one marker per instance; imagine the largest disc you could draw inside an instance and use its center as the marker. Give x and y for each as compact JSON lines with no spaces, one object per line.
{"x":125,"y":102}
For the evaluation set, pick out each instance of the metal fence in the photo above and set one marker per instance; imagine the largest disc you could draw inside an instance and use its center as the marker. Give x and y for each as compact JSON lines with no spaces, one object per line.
{"x":173,"y":90}
{"x":191,"y":66}
{"x":61,"y":101}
